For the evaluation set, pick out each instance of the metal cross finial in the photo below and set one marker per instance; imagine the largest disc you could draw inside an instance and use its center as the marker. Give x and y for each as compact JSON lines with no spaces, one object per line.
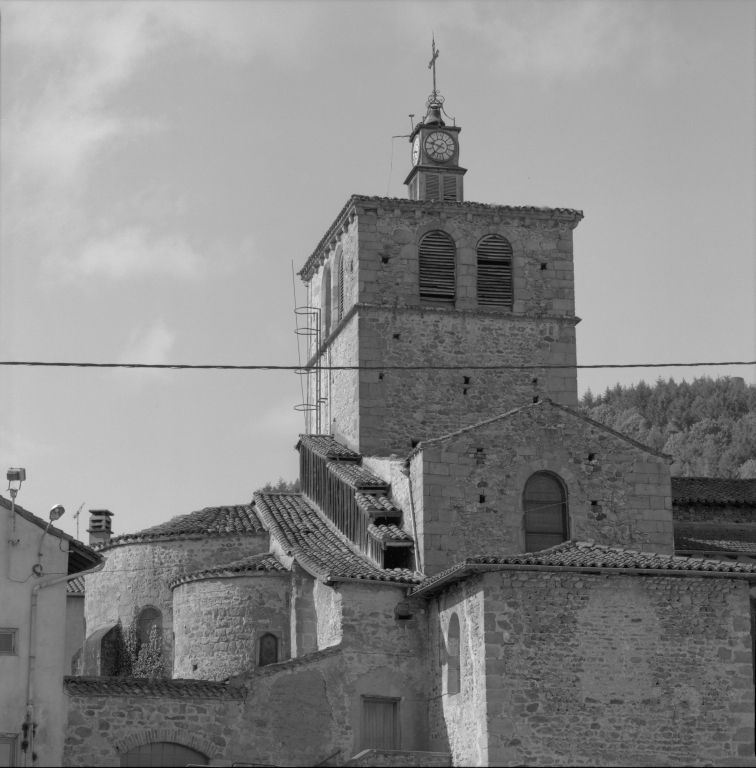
{"x":432,"y":64}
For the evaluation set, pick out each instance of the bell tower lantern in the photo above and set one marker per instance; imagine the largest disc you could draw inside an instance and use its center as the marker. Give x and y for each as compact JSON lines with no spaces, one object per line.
{"x":436,"y":173}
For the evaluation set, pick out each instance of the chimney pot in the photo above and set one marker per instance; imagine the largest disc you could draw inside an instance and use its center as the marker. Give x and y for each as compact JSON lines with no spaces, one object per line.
{"x":99,"y":525}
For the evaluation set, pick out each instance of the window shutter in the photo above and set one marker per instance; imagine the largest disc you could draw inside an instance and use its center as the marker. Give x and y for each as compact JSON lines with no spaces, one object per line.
{"x":450,"y":187}
{"x":379,"y":724}
{"x":437,"y":268}
{"x":432,"y":188}
{"x":494,"y":272}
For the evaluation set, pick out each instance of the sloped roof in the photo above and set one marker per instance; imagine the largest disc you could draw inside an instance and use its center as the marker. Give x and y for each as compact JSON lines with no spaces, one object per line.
{"x":543,"y":402}
{"x":254,"y":563}
{"x":80,"y":556}
{"x":328,"y":447}
{"x":142,"y":687}
{"x":586,"y":555}
{"x":389,"y":533}
{"x":211,"y":521}
{"x":570,"y":214}
{"x":305,"y":535}
{"x":718,"y":537}
{"x":76,"y":586}
{"x":713,"y":490}
{"x":377,"y":506}
{"x":358,"y":477}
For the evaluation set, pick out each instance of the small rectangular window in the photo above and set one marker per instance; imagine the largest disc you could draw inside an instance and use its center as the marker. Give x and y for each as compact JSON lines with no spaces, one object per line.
{"x":8,"y":641}
{"x":8,"y":749}
{"x":380,"y":723}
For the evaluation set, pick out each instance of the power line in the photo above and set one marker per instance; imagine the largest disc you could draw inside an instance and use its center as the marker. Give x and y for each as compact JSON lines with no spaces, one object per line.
{"x":497,"y":367}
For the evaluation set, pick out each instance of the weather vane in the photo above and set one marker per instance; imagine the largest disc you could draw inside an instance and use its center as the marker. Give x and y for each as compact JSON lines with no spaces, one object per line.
{"x":435,"y":99}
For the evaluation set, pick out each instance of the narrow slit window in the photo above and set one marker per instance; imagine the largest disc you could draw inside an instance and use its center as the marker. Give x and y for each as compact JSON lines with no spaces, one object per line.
{"x":453,"y":678}
{"x":494,"y":272}
{"x":437,"y":268}
{"x":545,"y":503}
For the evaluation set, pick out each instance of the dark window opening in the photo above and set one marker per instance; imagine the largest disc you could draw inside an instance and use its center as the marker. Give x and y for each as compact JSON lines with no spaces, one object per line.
{"x":397,"y":335}
{"x":385,"y":259}
{"x":594,"y":503}
{"x":534,"y":382}
{"x":8,"y":641}
{"x":535,"y":398}
{"x":591,"y":457}
{"x":466,"y":379}
{"x":545,"y":504}
{"x":544,"y":266}
{"x":481,"y":499}
{"x":380,"y":376}
{"x":268,"y":650}
{"x":479,"y":450}
{"x":397,"y":557}
{"x":415,"y":443}
{"x":494,"y":271}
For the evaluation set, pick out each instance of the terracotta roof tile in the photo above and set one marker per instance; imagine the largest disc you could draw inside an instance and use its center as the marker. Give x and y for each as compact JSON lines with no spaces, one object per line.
{"x":142,"y":687}
{"x":358,"y":477}
{"x":76,"y":586}
{"x":377,"y":506}
{"x":326,"y":446}
{"x":389,"y":532}
{"x":211,"y":521}
{"x":719,"y":537}
{"x":579,"y":554}
{"x":713,"y":490}
{"x":252,"y":564}
{"x":305,"y":535}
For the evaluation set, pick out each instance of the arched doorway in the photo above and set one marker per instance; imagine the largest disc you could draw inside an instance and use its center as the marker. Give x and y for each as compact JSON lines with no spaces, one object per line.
{"x":162,"y":754}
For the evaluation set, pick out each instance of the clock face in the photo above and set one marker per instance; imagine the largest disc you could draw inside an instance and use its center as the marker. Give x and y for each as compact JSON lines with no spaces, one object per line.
{"x":416,"y":151}
{"x":440,"y":146}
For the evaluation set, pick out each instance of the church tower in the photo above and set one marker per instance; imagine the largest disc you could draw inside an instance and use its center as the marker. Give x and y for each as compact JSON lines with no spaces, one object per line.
{"x":436,"y":173}
{"x":419,"y":304}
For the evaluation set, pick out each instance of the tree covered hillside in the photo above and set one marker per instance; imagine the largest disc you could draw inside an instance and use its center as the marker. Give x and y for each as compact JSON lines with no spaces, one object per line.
{"x":708,"y":425}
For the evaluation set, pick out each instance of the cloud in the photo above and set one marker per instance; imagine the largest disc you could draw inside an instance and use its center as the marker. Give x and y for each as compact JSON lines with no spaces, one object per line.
{"x":132,"y":253}
{"x":149,"y":346}
{"x":551,"y":37}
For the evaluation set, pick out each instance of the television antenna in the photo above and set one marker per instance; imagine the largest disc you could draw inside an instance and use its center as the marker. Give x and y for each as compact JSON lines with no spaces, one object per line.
{"x":76,"y":517}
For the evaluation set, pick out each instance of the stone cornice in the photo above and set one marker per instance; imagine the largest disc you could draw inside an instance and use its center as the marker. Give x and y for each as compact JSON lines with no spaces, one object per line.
{"x":359,"y":204}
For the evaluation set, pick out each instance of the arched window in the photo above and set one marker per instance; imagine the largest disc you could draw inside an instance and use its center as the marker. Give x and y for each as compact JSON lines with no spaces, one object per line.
{"x":545,"y":503}
{"x":148,"y":618}
{"x":453,"y":682}
{"x":494,"y":272}
{"x":325,"y":301}
{"x":437,"y":268}
{"x":268,"y":653}
{"x":339,"y":287}
{"x":163,"y":753}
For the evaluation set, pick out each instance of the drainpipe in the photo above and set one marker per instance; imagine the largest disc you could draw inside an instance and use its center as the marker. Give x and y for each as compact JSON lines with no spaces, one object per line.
{"x":28,"y":760}
{"x":418,"y":549}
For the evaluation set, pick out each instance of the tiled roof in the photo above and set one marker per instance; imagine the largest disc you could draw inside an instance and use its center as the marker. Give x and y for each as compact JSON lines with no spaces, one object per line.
{"x":358,"y":477}
{"x":377,"y":506}
{"x":389,"y":532}
{"x":543,"y":402}
{"x":305,"y":535}
{"x":571,"y":214}
{"x":713,"y":490}
{"x":141,"y":687}
{"x":719,"y":537}
{"x":75,"y":586}
{"x":581,"y":554}
{"x":211,"y":521}
{"x":245,"y":565}
{"x":325,"y":445}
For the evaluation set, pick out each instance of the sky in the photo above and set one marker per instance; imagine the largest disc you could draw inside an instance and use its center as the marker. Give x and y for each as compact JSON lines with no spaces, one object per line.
{"x":164,"y":164}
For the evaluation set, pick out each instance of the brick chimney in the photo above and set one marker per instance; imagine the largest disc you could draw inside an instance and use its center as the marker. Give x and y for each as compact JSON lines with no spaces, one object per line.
{"x":99,"y":525}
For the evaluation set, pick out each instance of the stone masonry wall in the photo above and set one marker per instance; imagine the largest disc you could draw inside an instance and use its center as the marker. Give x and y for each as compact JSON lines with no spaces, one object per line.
{"x":130,"y":580}
{"x":218,"y":623}
{"x":586,"y":669}
{"x":457,"y":721}
{"x":620,"y":496}
{"x":394,"y":408}
{"x":399,"y":408}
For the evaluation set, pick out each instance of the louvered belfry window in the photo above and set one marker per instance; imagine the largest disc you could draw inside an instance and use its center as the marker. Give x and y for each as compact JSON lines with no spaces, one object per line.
{"x":450,"y":187}
{"x":494,"y":272}
{"x":432,"y":187}
{"x":437,"y":268}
